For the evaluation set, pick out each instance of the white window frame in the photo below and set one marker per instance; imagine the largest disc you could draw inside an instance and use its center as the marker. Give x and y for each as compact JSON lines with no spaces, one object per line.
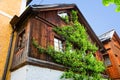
{"x":63,"y":14}
{"x":58,"y":45}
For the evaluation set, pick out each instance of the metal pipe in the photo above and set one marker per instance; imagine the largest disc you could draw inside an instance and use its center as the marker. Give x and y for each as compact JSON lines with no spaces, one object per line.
{"x":8,"y":57}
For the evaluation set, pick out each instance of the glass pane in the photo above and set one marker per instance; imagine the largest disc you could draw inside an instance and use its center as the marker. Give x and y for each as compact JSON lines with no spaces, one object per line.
{"x":55,"y":40}
{"x":60,"y":45}
{"x":107,"y":60}
{"x":62,"y":14}
{"x":57,"y":44}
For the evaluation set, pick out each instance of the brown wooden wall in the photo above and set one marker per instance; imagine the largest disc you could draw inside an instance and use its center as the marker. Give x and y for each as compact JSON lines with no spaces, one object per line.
{"x":20,"y":53}
{"x":99,"y":56}
{"x":43,"y":33}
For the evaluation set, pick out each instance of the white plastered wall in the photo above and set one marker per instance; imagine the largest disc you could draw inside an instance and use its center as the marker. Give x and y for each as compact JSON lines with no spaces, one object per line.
{"x":30,"y":72}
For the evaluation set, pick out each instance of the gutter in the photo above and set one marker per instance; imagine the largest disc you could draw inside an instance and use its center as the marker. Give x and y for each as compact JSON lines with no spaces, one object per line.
{"x":8,"y":57}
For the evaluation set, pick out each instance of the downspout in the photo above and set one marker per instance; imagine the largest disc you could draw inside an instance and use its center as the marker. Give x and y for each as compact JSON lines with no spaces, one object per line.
{"x":8,"y":56}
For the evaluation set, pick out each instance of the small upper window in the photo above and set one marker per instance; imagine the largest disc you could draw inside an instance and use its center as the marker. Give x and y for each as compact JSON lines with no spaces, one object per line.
{"x":64,"y":16}
{"x":58,"y":46}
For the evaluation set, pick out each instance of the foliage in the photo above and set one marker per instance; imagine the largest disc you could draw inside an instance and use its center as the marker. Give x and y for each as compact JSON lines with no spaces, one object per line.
{"x":78,"y":55}
{"x":116,"y":2}
{"x":65,"y":18}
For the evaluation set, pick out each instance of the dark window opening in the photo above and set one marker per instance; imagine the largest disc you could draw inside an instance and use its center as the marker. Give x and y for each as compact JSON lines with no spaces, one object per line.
{"x":107,"y":60}
{"x":21,"y":40}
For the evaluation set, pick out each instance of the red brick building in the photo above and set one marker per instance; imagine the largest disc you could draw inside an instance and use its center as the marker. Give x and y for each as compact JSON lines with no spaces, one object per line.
{"x":111,"y":42}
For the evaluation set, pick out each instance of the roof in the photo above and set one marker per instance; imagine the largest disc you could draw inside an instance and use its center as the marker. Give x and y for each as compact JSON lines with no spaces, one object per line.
{"x":52,"y":5}
{"x":48,"y":7}
{"x":107,"y":36}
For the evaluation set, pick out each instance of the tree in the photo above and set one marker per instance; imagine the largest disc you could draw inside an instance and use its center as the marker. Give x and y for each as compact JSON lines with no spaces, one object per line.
{"x":116,"y":2}
{"x":78,"y":55}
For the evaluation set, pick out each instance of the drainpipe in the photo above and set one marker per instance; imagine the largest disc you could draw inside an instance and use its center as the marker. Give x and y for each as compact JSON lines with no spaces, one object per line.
{"x":8,"y":57}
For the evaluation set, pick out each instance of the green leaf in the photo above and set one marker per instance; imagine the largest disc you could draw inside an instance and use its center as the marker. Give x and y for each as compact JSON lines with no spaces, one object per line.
{"x":117,"y":2}
{"x":107,"y":2}
{"x":118,"y":8}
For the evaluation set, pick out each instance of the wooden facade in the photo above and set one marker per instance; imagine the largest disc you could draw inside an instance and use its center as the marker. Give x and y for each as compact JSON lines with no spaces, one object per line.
{"x":37,"y":23}
{"x":111,"y":42}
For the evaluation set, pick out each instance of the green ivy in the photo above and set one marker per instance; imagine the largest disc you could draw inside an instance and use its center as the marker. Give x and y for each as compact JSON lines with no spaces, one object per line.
{"x":65,"y":18}
{"x":78,"y":53}
{"x":116,"y":2}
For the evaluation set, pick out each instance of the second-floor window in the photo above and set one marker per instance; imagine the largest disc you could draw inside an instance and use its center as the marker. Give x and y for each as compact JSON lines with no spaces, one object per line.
{"x":107,"y":60}
{"x":21,"y":40}
{"x":58,"y":46}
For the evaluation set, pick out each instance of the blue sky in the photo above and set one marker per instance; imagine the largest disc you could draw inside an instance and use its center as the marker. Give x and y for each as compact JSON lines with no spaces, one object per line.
{"x":100,"y":18}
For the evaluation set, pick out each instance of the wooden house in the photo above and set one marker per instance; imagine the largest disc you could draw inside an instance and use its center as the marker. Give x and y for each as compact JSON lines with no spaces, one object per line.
{"x":36,"y":23}
{"x":111,"y":42}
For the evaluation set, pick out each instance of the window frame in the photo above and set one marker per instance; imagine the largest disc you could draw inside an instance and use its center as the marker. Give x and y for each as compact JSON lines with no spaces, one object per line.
{"x":21,"y":33}
{"x":107,"y":63}
{"x":59,"y":13}
{"x":59,"y":44}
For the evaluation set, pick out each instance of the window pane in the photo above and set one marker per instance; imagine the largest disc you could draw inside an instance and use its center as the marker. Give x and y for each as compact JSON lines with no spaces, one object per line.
{"x":62,"y":14}
{"x":107,"y":60}
{"x":60,"y":45}
{"x":55,"y":40}
{"x":57,"y":44}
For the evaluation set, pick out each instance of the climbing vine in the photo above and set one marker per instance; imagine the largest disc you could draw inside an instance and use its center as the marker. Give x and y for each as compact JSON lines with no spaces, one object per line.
{"x":78,"y":55}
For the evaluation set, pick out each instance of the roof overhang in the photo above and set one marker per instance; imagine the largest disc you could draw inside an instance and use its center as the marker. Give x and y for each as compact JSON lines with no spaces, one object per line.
{"x":16,"y":21}
{"x":28,"y":1}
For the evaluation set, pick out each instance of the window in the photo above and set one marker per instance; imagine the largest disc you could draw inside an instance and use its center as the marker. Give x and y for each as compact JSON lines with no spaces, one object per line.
{"x":64,"y":16}
{"x":58,"y":44}
{"x":21,"y":40}
{"x":107,"y":60}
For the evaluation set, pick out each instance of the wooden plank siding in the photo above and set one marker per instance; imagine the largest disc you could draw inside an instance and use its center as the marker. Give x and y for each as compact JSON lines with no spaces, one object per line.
{"x":113,"y":50}
{"x":43,"y":33}
{"x":20,"y":54}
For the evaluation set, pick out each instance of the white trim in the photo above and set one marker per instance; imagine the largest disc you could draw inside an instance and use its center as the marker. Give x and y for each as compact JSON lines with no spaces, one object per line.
{"x":23,"y":6}
{"x":6,"y":14}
